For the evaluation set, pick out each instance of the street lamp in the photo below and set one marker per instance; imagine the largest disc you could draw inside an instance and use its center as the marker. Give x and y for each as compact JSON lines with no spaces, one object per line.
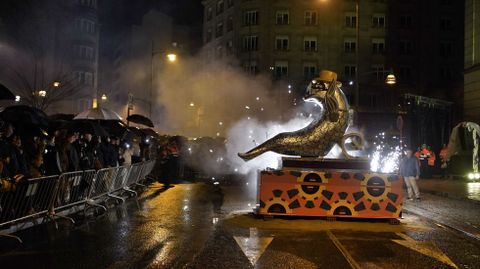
{"x":56,"y":84}
{"x":104,"y":97}
{"x":391,"y":79}
{"x":42,"y":93}
{"x":171,"y":57}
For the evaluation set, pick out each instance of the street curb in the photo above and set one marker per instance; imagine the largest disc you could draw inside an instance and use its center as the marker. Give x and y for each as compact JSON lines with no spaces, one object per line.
{"x":448,"y":195}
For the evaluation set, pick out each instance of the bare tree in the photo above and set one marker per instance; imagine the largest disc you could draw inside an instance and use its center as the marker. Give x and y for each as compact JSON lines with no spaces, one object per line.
{"x":42,"y":54}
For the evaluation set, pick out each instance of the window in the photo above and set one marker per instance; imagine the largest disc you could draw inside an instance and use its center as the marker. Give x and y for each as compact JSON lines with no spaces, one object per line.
{"x":88,"y":3}
{"x":406,"y":22}
{"x":378,"y":46}
{"x":445,"y":24}
{"x":220,"y":6}
{"x":378,"y":21}
{"x":229,"y":23}
{"x":209,"y":13}
{"x":229,"y":3}
{"x":309,"y":70}
{"x":350,"y":45}
{"x":85,"y":78}
{"x":85,"y":26}
{"x":310,"y":43}
{"x":250,"y":17}
{"x":281,"y":69}
{"x":84,"y":52}
{"x":251,"y":67}
{"x":310,"y":17}
{"x":219,"y":29}
{"x":446,"y":49}
{"x":405,"y":72}
{"x":281,"y":42}
{"x":406,"y":47}
{"x":209,"y":35}
{"x":250,"y":43}
{"x":351,"y":21}
{"x":378,"y":72}
{"x":350,"y":70}
{"x":282,"y":17}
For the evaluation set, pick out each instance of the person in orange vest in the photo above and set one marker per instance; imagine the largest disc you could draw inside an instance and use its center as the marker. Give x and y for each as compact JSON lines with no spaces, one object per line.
{"x":424,"y":156}
{"x":443,"y":158}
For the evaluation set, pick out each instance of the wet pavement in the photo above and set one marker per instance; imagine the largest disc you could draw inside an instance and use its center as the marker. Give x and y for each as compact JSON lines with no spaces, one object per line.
{"x":453,"y":188}
{"x":205,"y":226}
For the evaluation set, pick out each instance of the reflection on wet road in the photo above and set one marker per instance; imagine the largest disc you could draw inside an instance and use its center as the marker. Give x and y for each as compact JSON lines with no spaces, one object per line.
{"x":203,"y":226}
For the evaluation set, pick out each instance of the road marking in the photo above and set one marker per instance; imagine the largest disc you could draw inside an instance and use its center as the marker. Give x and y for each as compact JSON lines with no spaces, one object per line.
{"x":253,"y":246}
{"x":343,"y":250}
{"x":425,"y":248}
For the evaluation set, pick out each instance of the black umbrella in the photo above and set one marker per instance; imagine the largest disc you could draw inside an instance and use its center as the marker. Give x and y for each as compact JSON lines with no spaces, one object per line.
{"x":87,"y":126}
{"x":136,"y":118}
{"x":5,"y":93}
{"x":24,"y":115}
{"x":116,"y":128}
{"x":150,"y":132}
{"x":61,"y":116}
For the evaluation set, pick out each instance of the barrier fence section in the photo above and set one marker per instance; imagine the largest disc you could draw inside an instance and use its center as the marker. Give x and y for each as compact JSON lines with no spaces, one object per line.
{"x":54,"y":197}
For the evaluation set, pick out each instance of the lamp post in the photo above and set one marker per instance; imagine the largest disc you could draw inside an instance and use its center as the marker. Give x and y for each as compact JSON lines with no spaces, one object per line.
{"x":171,"y":57}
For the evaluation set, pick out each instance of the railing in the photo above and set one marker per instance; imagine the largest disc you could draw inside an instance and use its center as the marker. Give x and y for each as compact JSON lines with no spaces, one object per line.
{"x":36,"y":200}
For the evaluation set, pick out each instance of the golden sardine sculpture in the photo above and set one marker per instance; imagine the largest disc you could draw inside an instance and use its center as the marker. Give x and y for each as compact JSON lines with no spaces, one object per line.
{"x":319,"y":137}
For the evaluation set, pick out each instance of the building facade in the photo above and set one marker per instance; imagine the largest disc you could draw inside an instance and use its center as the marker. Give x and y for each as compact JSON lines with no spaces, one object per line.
{"x":426,"y":51}
{"x":293,"y":40}
{"x":60,"y":39}
{"x":138,"y":53}
{"x":471,"y":100}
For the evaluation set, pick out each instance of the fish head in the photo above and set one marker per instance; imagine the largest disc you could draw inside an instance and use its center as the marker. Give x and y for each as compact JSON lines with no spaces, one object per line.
{"x":317,"y":89}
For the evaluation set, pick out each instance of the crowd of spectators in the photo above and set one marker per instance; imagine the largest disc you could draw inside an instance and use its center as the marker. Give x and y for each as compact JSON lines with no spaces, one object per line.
{"x":61,"y":151}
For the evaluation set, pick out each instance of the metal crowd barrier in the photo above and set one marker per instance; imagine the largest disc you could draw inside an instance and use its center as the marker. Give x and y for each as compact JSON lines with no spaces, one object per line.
{"x":54,"y":197}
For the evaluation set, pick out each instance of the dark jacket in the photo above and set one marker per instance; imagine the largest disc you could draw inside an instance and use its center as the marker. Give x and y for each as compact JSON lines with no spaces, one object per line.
{"x":51,"y":161}
{"x":409,"y":167}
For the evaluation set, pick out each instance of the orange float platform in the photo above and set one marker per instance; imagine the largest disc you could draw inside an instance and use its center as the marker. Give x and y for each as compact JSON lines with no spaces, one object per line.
{"x":327,"y":192}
